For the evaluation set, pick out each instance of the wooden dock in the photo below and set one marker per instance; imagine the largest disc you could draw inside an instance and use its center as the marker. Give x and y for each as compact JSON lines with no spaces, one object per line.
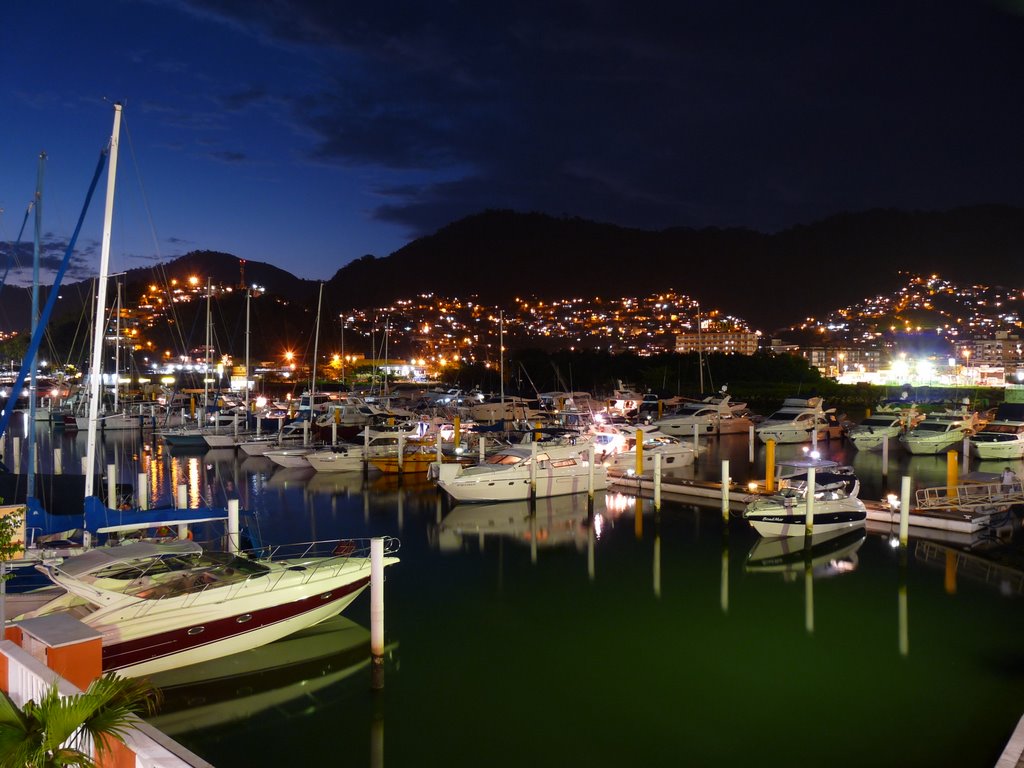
{"x":937,"y":516}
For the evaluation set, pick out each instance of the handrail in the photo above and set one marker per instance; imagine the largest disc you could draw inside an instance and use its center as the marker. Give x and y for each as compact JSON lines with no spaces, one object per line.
{"x":970,"y":495}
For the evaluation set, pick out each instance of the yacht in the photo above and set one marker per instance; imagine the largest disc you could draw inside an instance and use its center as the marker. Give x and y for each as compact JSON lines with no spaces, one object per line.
{"x":561,"y":468}
{"x":1003,"y":437}
{"x":836,"y":507}
{"x":163,"y":606}
{"x":710,"y":416}
{"x":798,"y":420}
{"x":937,"y":433}
{"x":615,"y":447}
{"x":871,"y":433}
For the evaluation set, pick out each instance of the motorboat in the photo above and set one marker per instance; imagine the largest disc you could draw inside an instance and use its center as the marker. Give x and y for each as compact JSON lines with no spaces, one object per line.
{"x":799,"y":420}
{"x":559,"y":468}
{"x":713,"y":415}
{"x":291,"y":457}
{"x":289,"y":435}
{"x":872,"y":433}
{"x":1003,"y":437}
{"x":937,"y":433}
{"x":835,"y":507}
{"x":615,"y":447}
{"x":163,"y":606}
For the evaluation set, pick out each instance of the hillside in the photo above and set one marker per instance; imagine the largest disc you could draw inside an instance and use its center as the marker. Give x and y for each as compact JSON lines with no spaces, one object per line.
{"x":771,"y":280}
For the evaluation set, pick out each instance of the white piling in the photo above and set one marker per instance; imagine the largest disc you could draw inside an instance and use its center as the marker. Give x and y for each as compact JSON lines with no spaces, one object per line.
{"x":58,"y":461}
{"x":904,"y":511}
{"x":142,"y":490}
{"x":903,"y":619}
{"x":182,"y":496}
{"x":233,"y":536}
{"x":809,"y":517}
{"x":377,"y":596}
{"x":885,"y":457}
{"x":696,"y":442}
{"x":483,"y":448}
{"x":85,"y":465}
{"x":967,"y":456}
{"x":657,"y":482}
{"x":334,"y":433}
{"x":17,"y":455}
{"x":305,"y":432}
{"x":725,"y":491}
{"x":814,"y":437}
{"x":751,"y":439}
{"x":591,"y":458}
{"x":440,"y":455}
{"x":533,"y":470}
{"x":401,"y":451}
{"x":259,"y":426}
{"x":111,"y":486}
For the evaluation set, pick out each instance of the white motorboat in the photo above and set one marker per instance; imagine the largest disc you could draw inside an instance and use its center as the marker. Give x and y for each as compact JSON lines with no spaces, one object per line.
{"x":163,"y":606}
{"x":835,"y":507}
{"x":999,"y":440}
{"x":713,"y":415}
{"x":506,"y":474}
{"x":615,"y":447}
{"x":344,"y":457}
{"x":871,"y":433}
{"x":937,"y":433}
{"x":797,"y":421}
{"x":292,"y":457}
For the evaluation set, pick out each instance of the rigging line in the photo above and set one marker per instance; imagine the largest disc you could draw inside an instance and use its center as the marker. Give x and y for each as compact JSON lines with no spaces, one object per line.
{"x":13,"y":257}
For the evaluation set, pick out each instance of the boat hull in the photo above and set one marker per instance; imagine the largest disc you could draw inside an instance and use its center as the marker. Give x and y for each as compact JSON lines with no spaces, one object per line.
{"x":777,"y":525}
{"x":499,"y":486}
{"x":1007,"y":449}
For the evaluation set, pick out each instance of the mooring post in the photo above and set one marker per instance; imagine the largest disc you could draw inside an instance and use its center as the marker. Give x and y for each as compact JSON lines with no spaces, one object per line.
{"x":16,"y":450}
{"x":590,"y":478}
{"x":723,"y":597}
{"x":808,"y":592}
{"x":377,"y":611}
{"x":639,"y":467}
{"x":905,"y":511}
{"x":696,"y":443}
{"x":885,"y":457}
{"x":305,"y":432}
{"x":334,"y":432}
{"x":966,"y":454}
{"x":725,"y":492}
{"x":142,"y":490}
{"x":366,"y":450}
{"x":952,"y":469}
{"x":751,"y":438}
{"x":483,"y":448}
{"x":533,"y":471}
{"x":809,"y":518}
{"x":233,"y":534}
{"x":657,"y":483}
{"x":183,"y":504}
{"x":769,"y":466}
{"x":112,"y":486}
{"x":401,"y":453}
{"x":85,"y":465}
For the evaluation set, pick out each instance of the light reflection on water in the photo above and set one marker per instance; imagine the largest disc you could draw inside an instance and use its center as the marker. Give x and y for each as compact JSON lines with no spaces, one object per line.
{"x":629,"y":637}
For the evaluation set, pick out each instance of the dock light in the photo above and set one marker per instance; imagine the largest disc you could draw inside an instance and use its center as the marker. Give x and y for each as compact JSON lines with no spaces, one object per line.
{"x":815,"y":455}
{"x":261,"y":402}
{"x":806,"y":450}
{"x":894,"y":502}
{"x":894,"y":542}
{"x":752,"y":486}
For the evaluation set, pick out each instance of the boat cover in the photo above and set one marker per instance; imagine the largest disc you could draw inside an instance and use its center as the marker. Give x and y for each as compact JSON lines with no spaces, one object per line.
{"x":101,"y":557}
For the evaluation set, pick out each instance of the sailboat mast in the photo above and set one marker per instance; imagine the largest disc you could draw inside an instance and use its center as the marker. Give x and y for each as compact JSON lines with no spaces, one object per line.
{"x":316,"y":351}
{"x":248,"y":295}
{"x":117,"y":347}
{"x":700,"y":351}
{"x":101,"y":303}
{"x":206,"y":374}
{"x":31,"y":479}
{"x":501,"y":358}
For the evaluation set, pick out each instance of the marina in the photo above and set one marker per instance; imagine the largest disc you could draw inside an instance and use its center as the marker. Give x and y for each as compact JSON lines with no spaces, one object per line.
{"x":531,"y":627}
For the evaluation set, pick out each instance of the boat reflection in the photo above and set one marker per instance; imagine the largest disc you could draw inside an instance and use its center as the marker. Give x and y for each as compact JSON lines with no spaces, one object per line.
{"x":829,"y":555}
{"x":237,"y":687}
{"x":558,"y":521}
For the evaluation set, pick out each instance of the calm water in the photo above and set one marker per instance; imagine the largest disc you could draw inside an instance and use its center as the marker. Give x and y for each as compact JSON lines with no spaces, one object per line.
{"x":637,"y":639}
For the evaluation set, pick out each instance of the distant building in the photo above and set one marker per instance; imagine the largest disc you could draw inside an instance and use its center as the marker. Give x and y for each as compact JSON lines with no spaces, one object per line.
{"x":730,"y":343}
{"x":1003,"y":350}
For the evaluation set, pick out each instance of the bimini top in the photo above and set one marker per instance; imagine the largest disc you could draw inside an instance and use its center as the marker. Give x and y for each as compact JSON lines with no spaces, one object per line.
{"x":103,"y":557}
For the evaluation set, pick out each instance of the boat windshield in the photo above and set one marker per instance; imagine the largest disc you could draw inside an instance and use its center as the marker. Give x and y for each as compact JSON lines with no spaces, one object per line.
{"x":879,"y":421}
{"x":503,"y":458}
{"x":1006,"y":429}
{"x":175,"y":575}
{"x":933,"y":426}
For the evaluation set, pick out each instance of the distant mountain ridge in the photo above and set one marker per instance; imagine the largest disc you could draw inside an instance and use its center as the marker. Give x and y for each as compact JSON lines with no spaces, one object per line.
{"x":771,"y":280}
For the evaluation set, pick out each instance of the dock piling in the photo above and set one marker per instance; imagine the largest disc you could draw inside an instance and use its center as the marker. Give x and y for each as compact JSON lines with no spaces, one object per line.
{"x":750,"y":444}
{"x":769,"y":466}
{"x":233,"y":536}
{"x":483,"y":448}
{"x":885,"y":457}
{"x":401,"y":453}
{"x":809,"y":516}
{"x":377,"y":611}
{"x":142,"y":490}
{"x":966,"y":454}
{"x":639,"y":452}
{"x":725,"y":493}
{"x":904,"y":511}
{"x":58,"y":461}
{"x":111,"y":486}
{"x":657,"y":483}
{"x":952,"y":469}
{"x":590,"y":478}
{"x":16,"y":451}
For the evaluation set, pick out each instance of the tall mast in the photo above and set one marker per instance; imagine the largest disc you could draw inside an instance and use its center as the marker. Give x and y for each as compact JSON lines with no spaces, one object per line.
{"x":384,"y":361}
{"x":206,"y":374}
{"x":117,"y":346}
{"x":248,"y":295}
{"x":316,"y":351}
{"x":700,"y":351}
{"x":101,"y":303}
{"x":501,"y":357}
{"x":31,"y":479}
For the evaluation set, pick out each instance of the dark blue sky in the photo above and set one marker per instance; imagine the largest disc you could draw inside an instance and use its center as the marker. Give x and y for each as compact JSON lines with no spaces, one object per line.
{"x":306,"y":134}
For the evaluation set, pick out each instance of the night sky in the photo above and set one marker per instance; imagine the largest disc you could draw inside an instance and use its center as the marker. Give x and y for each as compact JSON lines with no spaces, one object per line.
{"x":306,"y":134}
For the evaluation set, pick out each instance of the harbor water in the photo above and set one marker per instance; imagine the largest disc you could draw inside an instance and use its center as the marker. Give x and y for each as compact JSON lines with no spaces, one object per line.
{"x":625,"y":636}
